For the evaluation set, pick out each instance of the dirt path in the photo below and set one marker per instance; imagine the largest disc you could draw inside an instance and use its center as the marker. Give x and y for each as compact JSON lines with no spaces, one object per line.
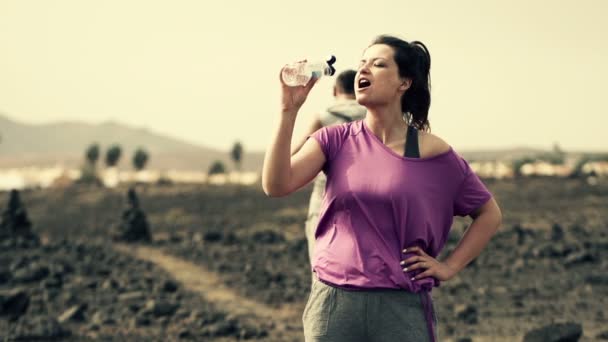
{"x":208,"y":284}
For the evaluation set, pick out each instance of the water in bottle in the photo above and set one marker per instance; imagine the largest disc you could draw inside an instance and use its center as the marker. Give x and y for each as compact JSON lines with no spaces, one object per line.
{"x":298,"y":74}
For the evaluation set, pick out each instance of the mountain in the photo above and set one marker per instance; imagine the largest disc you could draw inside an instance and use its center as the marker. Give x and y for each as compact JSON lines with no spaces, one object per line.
{"x":65,"y":142}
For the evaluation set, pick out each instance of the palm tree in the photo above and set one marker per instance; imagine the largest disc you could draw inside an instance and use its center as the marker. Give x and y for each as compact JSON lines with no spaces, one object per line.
{"x":237,"y":154}
{"x":92,"y":154}
{"x":217,"y":168}
{"x":113,"y":155}
{"x":140,"y":158}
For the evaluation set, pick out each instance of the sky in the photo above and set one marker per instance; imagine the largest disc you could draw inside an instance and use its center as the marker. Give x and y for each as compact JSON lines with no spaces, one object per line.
{"x":504,"y":73}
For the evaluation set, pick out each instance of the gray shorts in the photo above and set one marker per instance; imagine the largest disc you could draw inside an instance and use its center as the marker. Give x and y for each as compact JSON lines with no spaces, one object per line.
{"x":336,"y":315}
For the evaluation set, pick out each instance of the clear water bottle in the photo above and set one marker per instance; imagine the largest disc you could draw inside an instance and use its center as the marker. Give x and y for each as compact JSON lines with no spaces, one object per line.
{"x":298,"y":74}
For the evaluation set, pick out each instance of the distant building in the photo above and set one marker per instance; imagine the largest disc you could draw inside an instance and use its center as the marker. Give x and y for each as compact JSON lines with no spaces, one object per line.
{"x":493,"y":169}
{"x":599,"y":168}
{"x":542,"y":168}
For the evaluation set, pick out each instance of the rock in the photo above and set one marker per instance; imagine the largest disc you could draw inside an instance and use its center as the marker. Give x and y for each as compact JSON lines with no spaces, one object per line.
{"x":164,"y":320}
{"x":53,"y":282}
{"x":13,"y":303}
{"x":602,"y":336}
{"x":169,"y":286}
{"x":110,"y":284}
{"x":458,"y":286}
{"x":20,"y":262}
{"x":100,"y":318}
{"x":69,"y":298}
{"x":184,"y":333}
{"x":267,"y":236}
{"x":60,"y":268}
{"x":50,"y":294}
{"x":97,"y":318}
{"x":449,"y":329}
{"x":39,"y":329}
{"x":104,"y":272}
{"x":553,"y":250}
{"x":519,"y":303}
{"x":499,"y":290}
{"x":73,"y":314}
{"x":134,"y":225}
{"x":579,"y":258}
{"x":14,"y":222}
{"x":134,"y":296}
{"x":556,"y":332}
{"x":580,"y":231}
{"x":464,"y":339}
{"x":175,"y":238}
{"x":521,"y":233}
{"x":557,"y":233}
{"x":94,"y":327}
{"x":91,"y":284}
{"x":518,"y":265}
{"x":213,"y":236}
{"x":466,"y":313}
{"x":197,"y":237}
{"x":298,"y":245}
{"x":222,"y":328}
{"x":5,"y":277}
{"x":32,"y":273}
{"x":160,"y":308}
{"x":230,"y":238}
{"x":93,"y":335}
{"x":182,"y":314}
{"x":249,"y":332}
{"x":140,"y":321}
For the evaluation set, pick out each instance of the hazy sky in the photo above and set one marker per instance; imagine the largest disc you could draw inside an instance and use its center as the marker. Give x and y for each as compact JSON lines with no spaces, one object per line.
{"x":504,"y":73}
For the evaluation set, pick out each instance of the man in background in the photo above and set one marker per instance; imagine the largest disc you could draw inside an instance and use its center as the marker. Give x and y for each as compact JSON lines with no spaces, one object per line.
{"x":344,"y":109}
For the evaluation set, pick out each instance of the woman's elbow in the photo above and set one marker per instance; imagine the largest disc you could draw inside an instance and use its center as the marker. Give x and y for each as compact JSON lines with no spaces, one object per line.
{"x":269,"y":190}
{"x":490,"y":213}
{"x":272,"y":190}
{"x":495,"y":215}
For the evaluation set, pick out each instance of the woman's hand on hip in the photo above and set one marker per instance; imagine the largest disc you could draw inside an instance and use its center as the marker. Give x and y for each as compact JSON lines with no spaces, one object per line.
{"x":432,"y":266}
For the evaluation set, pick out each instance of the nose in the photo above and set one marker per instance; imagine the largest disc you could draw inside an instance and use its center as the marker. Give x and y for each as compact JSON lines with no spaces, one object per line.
{"x":364,"y":66}
{"x":363,"y":70}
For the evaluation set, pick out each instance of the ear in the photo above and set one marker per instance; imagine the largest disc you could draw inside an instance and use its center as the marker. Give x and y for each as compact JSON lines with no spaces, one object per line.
{"x":406,"y":84}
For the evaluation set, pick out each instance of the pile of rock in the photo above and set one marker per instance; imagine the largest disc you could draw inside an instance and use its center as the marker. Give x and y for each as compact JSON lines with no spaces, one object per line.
{"x":15,"y":227}
{"x":134,"y":225}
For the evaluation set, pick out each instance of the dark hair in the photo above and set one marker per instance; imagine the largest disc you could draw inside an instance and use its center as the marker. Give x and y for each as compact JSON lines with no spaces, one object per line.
{"x":346,"y":81}
{"x":414,"y":62}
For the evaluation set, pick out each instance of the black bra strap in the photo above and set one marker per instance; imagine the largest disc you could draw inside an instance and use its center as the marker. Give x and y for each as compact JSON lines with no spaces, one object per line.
{"x":411,"y":143}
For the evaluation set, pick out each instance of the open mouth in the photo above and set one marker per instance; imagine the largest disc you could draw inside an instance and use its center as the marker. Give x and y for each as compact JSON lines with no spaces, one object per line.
{"x":363,"y":83}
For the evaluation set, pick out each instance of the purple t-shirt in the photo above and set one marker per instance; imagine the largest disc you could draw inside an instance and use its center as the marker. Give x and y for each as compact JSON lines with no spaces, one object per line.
{"x":377,"y":203}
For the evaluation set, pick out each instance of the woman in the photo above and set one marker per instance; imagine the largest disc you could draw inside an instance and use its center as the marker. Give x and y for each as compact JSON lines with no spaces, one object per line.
{"x":392,"y":191}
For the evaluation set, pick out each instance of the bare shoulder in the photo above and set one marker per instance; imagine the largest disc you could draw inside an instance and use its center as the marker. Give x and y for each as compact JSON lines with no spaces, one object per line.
{"x":431,"y":145}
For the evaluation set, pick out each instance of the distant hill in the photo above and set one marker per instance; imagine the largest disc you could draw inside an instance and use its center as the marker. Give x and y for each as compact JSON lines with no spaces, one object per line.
{"x":504,"y":154}
{"x":65,"y":142}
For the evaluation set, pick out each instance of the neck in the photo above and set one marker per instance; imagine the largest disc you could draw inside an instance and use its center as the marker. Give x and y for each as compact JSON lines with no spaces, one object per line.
{"x":386,"y":122}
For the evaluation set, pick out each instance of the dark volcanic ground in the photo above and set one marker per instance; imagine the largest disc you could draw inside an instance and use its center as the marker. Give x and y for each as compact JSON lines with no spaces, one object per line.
{"x":548,"y":264}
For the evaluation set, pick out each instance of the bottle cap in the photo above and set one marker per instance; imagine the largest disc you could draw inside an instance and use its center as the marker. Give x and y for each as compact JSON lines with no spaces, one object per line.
{"x":330,"y":62}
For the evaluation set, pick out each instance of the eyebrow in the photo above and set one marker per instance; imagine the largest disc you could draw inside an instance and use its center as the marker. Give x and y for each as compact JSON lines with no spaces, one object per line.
{"x":373,"y":59}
